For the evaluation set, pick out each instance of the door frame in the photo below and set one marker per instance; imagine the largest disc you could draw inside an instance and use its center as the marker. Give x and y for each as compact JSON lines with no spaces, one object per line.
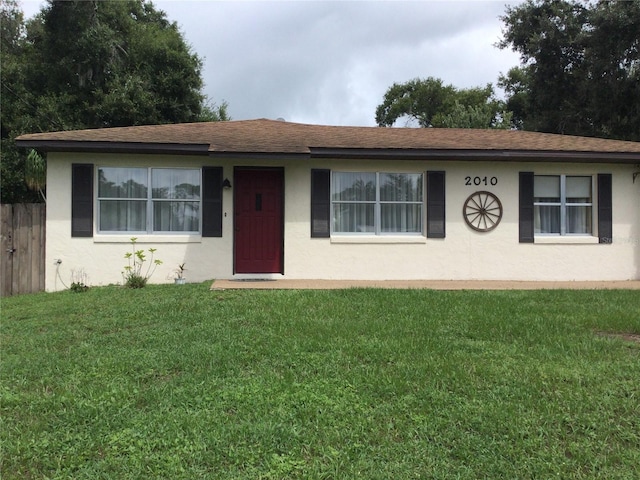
{"x":235,"y":236}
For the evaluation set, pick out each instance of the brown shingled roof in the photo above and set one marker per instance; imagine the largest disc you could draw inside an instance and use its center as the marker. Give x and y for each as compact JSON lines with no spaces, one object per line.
{"x":278,"y":137}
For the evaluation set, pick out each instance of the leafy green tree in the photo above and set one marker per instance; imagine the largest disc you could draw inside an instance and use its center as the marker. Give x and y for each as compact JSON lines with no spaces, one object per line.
{"x":35,"y":174}
{"x":212,"y":112}
{"x":430,"y":103}
{"x":16,"y":101}
{"x":114,"y":64}
{"x":580,"y":67}
{"x":92,"y":64}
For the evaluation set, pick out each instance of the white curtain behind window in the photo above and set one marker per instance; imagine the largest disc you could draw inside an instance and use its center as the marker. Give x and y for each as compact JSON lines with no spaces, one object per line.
{"x":546,"y":190}
{"x":176,"y":216}
{"x":363,"y":199}
{"x":557,"y":197}
{"x":400,"y":217}
{"x":122,"y":194}
{"x":578,"y":191}
{"x":354,"y":196}
{"x":178,"y":185}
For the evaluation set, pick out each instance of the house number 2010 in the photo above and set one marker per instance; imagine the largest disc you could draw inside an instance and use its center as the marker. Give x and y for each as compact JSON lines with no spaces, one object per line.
{"x":480,"y":180}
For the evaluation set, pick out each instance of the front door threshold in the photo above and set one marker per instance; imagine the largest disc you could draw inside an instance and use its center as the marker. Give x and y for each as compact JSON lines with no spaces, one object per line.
{"x":256,"y":277}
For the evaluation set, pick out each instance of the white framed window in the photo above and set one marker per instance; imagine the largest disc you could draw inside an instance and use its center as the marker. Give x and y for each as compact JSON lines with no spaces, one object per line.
{"x":563,"y":204}
{"x":377,"y":203}
{"x":149,"y":200}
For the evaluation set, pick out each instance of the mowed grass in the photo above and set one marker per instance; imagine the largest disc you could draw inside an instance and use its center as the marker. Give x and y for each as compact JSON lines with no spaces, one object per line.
{"x":182,"y":383}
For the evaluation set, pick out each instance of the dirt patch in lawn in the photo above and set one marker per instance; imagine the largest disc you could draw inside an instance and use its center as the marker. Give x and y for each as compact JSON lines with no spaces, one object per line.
{"x":628,"y":337}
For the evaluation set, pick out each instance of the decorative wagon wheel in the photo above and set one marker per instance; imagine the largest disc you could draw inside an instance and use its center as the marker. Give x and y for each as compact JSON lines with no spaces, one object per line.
{"x":482,"y":211}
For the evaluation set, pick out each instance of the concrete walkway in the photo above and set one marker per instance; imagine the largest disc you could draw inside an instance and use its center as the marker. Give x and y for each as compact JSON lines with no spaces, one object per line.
{"x":287,"y":284}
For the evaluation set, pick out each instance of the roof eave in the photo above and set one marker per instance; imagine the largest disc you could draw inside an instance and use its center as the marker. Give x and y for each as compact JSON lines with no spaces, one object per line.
{"x":260,"y":155}
{"x":336,"y":153}
{"x":478,"y":155}
{"x":115,"y":147}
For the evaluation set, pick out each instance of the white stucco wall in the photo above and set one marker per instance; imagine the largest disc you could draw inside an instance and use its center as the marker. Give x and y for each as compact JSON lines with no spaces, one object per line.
{"x":102,"y":256}
{"x":463,"y":254}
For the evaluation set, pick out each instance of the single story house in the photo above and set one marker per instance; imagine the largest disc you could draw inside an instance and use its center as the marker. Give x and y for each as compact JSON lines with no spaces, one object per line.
{"x":275,"y":199}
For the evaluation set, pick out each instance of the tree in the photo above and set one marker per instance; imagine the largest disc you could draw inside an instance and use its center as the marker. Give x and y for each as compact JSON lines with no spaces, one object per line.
{"x":15,"y":102}
{"x":124,"y":64}
{"x":580,"y":67}
{"x":214,"y":113}
{"x":35,"y":173}
{"x":432,"y":104}
{"x":93,"y":64}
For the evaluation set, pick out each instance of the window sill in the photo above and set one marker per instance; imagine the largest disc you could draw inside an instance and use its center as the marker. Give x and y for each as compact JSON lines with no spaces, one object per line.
{"x":126,"y":238}
{"x":379,"y":239}
{"x":566,"y":240}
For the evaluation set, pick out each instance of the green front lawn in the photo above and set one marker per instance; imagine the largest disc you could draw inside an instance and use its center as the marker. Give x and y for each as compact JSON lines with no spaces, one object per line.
{"x":181,"y":382}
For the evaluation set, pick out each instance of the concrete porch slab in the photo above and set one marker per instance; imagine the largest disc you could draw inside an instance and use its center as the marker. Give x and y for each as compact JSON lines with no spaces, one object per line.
{"x":290,"y":284}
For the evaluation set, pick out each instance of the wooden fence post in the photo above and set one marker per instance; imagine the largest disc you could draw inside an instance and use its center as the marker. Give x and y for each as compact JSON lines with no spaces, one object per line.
{"x":6,"y":245}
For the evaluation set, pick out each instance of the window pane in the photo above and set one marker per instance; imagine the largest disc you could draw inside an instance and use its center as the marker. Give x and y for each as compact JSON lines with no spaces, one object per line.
{"x":578,"y":189}
{"x":578,"y":219}
{"x":400,"y":187}
{"x":175,"y":183}
{"x":122,"y":182}
{"x":176,"y":216}
{"x":401,"y":218}
{"x":353,"y":217}
{"x":123,"y":216}
{"x":546,"y":219}
{"x":354,"y":186}
{"x":546,"y":188}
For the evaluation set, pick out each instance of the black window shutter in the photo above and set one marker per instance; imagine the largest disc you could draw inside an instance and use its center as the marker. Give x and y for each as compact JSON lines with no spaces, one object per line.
{"x":320,"y":202}
{"x":605,"y":209}
{"x":212,"y":201}
{"x":525,"y":222}
{"x":81,"y":200}
{"x":435,"y":204}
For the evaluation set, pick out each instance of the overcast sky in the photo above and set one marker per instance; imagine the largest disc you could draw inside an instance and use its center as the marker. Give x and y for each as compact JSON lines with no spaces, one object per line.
{"x":331,"y":62}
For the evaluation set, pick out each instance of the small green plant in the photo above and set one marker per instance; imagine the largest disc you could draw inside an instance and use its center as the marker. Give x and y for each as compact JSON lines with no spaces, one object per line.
{"x":135,"y":275}
{"x":77,"y":287}
{"x":180,"y":271}
{"x":79,"y":280}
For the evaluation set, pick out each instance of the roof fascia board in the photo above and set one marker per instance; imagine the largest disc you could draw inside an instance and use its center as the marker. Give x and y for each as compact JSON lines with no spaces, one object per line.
{"x":115,"y":147}
{"x":336,"y":153}
{"x":260,"y":155}
{"x":478,"y":155}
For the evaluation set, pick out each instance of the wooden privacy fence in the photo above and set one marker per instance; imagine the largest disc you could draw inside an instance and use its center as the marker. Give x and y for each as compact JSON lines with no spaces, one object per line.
{"x":22,"y":261}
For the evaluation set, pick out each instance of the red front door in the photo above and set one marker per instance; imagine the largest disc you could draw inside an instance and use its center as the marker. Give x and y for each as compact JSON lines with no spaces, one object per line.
{"x":259,"y":220}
